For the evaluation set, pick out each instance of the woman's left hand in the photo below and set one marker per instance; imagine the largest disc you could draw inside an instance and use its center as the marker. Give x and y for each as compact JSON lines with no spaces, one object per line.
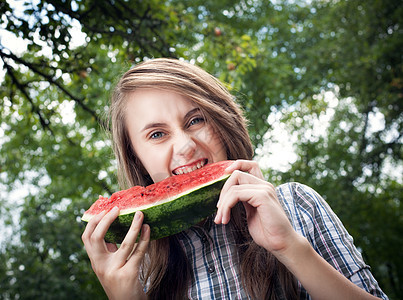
{"x":267,"y":221}
{"x":271,"y":229}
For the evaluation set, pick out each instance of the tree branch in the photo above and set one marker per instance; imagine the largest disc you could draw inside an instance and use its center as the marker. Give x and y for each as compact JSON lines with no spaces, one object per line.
{"x":44,"y":122}
{"x":140,"y":40}
{"x":53,"y":81}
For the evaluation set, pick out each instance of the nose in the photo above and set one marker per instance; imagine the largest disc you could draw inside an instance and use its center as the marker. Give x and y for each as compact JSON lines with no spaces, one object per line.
{"x":184,"y":146}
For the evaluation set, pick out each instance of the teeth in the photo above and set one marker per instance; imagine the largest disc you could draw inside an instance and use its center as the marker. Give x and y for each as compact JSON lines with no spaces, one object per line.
{"x":186,"y":170}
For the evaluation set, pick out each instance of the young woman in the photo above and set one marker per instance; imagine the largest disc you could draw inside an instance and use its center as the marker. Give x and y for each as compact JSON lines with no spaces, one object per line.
{"x":169,"y":117}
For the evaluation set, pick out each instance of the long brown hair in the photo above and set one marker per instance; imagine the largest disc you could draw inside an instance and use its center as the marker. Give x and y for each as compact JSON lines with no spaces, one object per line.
{"x":259,"y":269}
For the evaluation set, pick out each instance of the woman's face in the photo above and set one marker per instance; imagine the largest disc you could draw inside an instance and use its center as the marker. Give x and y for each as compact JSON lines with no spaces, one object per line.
{"x":169,"y":134}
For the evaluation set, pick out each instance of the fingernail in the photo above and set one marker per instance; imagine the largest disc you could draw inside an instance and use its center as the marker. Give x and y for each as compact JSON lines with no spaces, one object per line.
{"x":144,"y":231}
{"x":115,"y":208}
{"x":137,"y":216}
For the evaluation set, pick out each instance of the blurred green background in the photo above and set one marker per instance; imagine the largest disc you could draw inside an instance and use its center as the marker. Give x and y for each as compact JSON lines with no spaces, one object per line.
{"x":321,"y":82}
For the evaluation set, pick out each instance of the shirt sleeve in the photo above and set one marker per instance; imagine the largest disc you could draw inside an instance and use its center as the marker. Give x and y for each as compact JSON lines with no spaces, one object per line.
{"x":312,"y":217}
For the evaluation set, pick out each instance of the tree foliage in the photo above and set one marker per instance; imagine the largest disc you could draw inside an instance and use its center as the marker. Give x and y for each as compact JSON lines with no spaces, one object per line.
{"x":276,"y":57}
{"x":357,"y":164}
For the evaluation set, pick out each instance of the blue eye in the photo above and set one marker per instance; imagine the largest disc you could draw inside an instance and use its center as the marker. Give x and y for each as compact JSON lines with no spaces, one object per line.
{"x":157,"y":135}
{"x":195,"y":121}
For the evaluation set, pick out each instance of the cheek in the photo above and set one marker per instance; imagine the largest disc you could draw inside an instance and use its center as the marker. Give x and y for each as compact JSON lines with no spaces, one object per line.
{"x":212,"y":139}
{"x":155,"y":160}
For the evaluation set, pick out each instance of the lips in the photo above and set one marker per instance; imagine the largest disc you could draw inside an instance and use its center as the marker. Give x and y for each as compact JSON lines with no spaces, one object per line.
{"x":190,"y":167}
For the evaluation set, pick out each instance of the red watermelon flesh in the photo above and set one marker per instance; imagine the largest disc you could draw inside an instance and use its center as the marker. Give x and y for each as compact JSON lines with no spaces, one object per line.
{"x":140,"y":198}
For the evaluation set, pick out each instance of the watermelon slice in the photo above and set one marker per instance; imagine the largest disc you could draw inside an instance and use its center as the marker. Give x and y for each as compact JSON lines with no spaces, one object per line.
{"x":169,"y":206}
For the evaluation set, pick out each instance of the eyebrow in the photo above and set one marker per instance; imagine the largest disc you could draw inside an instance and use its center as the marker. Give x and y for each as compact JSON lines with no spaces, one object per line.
{"x":159,"y":124}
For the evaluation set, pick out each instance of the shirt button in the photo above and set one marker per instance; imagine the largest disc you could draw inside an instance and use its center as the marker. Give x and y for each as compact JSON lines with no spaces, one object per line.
{"x":204,"y":240}
{"x":211,"y":269}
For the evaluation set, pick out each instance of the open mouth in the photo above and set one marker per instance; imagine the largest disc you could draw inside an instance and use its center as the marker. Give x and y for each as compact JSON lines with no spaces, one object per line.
{"x":190,"y":167}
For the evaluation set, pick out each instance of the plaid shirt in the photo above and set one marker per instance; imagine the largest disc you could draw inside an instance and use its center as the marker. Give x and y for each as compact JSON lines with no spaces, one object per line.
{"x":212,"y":253}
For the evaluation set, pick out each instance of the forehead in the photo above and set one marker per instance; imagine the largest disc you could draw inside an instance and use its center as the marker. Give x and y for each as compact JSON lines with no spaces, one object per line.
{"x":153,"y":105}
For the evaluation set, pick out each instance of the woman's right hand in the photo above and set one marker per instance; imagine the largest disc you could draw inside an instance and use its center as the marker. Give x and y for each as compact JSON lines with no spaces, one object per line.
{"x":117,"y":268}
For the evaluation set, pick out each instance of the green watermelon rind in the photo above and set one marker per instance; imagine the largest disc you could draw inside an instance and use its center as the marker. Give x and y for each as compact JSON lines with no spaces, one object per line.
{"x":171,"y":215}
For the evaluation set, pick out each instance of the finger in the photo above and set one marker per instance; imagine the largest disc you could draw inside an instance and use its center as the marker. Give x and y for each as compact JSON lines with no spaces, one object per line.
{"x":239,"y":178}
{"x":254,"y":195}
{"x":231,"y":200}
{"x":250,"y":192}
{"x":130,"y":239}
{"x":91,"y":225}
{"x":248,"y":166}
{"x":97,"y":237}
{"x":141,"y":247}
